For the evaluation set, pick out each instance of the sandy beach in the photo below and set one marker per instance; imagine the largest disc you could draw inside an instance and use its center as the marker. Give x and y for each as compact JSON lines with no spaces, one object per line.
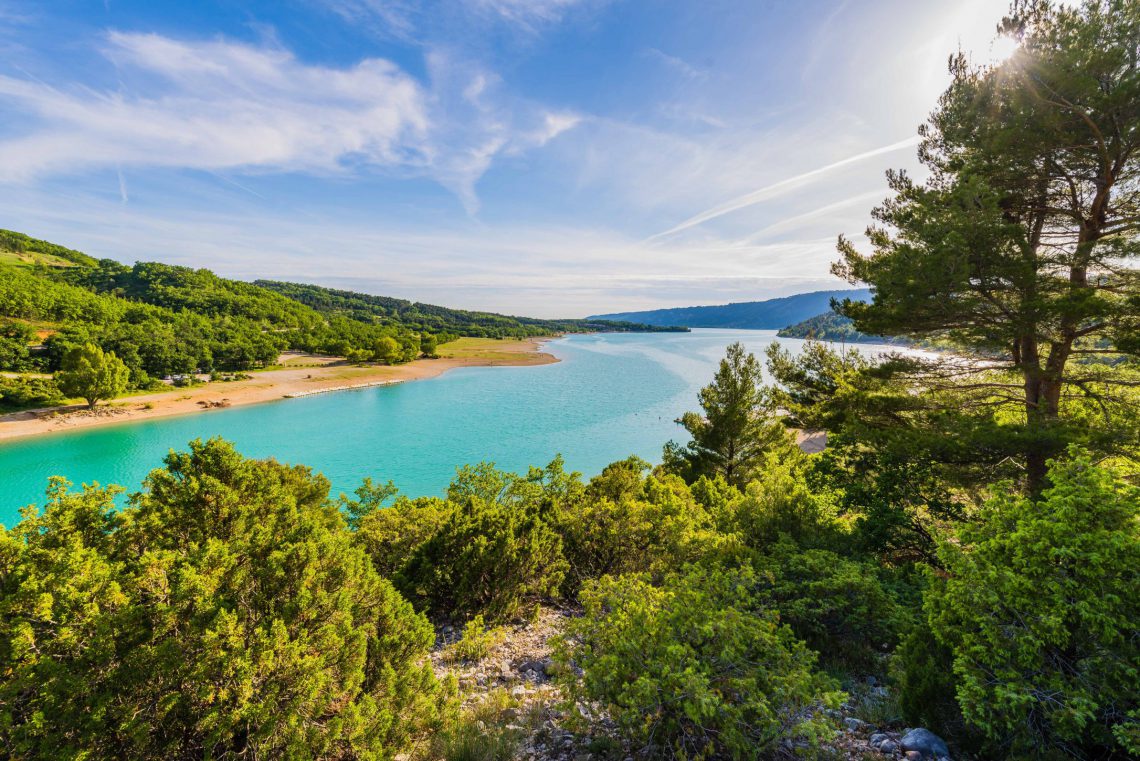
{"x":300,"y":375}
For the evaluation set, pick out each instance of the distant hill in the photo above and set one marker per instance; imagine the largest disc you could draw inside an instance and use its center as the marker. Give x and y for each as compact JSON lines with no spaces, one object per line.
{"x":836,"y":328}
{"x":384,"y":310}
{"x":772,"y":314}
{"x":161,"y":319}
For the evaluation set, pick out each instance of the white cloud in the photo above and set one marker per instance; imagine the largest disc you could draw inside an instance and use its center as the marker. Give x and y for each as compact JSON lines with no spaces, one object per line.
{"x":476,"y":122}
{"x":218,"y":105}
{"x":529,"y":14}
{"x":427,"y":22}
{"x":221,"y":105}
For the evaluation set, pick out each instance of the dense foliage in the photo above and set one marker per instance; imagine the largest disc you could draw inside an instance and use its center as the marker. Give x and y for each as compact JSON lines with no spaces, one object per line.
{"x":832,"y":327}
{"x":1021,"y":244}
{"x":226,"y":613}
{"x":696,"y":667}
{"x":1040,"y":611}
{"x":163,"y":320}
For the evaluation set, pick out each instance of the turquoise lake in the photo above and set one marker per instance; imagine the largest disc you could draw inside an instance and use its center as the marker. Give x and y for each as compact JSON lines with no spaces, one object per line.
{"x":611,"y":396}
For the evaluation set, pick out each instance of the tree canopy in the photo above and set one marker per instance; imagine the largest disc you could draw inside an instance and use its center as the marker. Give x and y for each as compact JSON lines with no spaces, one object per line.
{"x":1020,"y":246}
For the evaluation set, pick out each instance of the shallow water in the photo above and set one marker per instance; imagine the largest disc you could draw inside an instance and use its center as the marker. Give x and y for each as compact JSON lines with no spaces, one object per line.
{"x":612,"y":395}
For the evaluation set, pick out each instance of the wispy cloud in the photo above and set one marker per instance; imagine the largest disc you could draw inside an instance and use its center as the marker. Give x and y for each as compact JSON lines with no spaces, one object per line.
{"x":221,"y":105}
{"x":679,"y":65}
{"x":530,"y":14}
{"x":421,"y":22}
{"x":473,"y":122}
{"x":777,"y":188}
{"x":518,"y":268}
{"x":218,"y":105}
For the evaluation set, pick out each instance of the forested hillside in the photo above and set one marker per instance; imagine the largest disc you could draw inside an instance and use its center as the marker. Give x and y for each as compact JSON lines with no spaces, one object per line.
{"x":833,"y":327}
{"x":382,"y":310}
{"x":772,"y":314}
{"x":160,"y":319}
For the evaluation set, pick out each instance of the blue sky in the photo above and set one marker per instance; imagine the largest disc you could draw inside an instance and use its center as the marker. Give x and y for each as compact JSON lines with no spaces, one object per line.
{"x":544,"y":157}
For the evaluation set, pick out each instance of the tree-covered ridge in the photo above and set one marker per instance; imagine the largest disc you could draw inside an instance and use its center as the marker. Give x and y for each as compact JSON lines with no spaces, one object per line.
{"x":161,"y":319}
{"x":384,"y":310}
{"x":832,"y":327}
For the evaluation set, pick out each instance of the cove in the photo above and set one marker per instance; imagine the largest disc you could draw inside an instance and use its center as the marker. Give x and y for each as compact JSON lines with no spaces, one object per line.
{"x":611,"y":395}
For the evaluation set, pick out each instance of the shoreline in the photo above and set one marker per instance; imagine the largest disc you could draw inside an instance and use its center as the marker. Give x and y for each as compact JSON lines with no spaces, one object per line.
{"x":277,"y":385}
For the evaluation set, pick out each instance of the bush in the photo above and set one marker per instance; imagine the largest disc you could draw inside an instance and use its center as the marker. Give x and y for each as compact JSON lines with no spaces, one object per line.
{"x":1041,"y":608}
{"x":25,"y":393}
{"x":837,"y":605}
{"x":780,"y":503}
{"x":487,"y":558}
{"x":647,"y":525}
{"x":923,"y":672}
{"x":694,"y":668}
{"x":224,"y":614}
{"x":392,"y":535}
{"x":476,"y":643}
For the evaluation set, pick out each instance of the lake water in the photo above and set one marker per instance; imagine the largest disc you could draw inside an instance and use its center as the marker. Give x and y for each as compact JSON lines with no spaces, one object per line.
{"x":611,"y":396}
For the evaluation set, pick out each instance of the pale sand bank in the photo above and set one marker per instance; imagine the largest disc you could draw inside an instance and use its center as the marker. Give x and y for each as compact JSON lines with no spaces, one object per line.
{"x":278,"y":384}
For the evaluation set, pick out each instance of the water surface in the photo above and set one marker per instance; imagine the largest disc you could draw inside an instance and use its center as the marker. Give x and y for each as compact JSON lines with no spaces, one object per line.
{"x":612,"y":395}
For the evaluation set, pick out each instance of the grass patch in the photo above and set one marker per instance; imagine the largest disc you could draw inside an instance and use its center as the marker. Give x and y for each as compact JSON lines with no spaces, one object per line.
{"x":32,"y":258}
{"x":491,"y":730}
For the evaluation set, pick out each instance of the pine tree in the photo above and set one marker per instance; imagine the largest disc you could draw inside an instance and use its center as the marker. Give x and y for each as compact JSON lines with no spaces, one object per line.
{"x":736,"y":429}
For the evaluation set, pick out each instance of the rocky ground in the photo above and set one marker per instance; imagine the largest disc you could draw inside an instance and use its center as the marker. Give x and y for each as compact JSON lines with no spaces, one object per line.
{"x":513,"y":687}
{"x":510,"y":694}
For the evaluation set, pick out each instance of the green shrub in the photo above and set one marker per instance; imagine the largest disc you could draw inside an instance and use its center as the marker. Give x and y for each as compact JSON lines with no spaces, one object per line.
{"x":391,"y":535}
{"x":923,"y":672}
{"x":224,"y":614}
{"x":694,"y":668}
{"x":476,"y":643}
{"x":1041,"y":610}
{"x":487,"y":558}
{"x":837,"y":605}
{"x":618,"y":480}
{"x":653,"y":526}
{"x":25,"y":393}
{"x":779,"y":502}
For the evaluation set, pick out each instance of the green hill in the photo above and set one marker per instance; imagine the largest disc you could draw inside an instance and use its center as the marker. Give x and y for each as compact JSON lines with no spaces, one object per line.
{"x":833,"y":327}
{"x":162,"y":319}
{"x":19,"y":249}
{"x":384,"y":310}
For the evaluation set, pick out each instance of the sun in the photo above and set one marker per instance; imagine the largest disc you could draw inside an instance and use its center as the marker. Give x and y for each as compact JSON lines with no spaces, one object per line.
{"x":1002,"y":48}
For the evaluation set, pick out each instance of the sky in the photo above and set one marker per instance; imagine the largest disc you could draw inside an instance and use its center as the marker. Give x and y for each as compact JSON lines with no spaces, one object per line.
{"x":553,"y":158}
